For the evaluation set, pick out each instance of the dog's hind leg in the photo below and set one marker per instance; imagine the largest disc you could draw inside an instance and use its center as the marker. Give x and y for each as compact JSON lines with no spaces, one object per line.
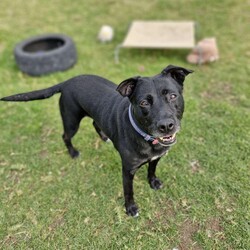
{"x":67,"y":140}
{"x":100,"y":132}
{"x":71,"y":117}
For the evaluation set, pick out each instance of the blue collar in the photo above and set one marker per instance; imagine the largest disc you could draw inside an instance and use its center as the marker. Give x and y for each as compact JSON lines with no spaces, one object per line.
{"x":145,"y":136}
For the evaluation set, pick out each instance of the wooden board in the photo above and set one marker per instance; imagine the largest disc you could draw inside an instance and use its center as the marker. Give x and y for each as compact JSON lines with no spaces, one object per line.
{"x":160,"y":34}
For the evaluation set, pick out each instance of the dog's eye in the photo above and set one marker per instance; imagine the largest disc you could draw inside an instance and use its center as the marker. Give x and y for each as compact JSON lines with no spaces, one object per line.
{"x":164,"y":92}
{"x":144,"y":103}
{"x":173,"y":97}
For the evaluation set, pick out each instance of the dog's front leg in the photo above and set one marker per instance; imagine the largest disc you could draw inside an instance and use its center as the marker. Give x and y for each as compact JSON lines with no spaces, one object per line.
{"x":131,"y":208}
{"x":153,"y":181}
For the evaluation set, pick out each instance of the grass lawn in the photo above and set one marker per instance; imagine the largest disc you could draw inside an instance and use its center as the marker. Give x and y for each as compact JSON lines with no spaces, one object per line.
{"x":48,"y":201}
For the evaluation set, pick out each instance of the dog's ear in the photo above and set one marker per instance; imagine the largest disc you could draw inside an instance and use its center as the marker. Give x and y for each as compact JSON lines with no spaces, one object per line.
{"x":178,"y":73}
{"x":126,"y":87}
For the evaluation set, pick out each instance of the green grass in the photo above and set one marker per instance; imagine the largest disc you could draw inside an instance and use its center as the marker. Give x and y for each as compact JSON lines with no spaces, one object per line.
{"x":48,"y":201}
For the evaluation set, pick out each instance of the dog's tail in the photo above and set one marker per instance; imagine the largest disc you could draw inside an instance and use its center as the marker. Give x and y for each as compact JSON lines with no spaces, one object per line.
{"x":34,"y":95}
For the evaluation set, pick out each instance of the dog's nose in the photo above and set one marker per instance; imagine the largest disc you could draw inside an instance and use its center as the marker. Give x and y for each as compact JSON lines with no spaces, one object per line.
{"x":165,"y":126}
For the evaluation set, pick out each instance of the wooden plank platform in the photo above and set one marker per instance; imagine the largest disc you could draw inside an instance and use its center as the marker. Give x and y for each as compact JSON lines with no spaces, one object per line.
{"x":160,"y":34}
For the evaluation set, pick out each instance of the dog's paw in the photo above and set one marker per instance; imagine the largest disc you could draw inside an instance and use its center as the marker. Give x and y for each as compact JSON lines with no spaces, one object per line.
{"x":104,"y":137}
{"x":155,"y":183}
{"x":74,"y":154}
{"x":132,"y":210}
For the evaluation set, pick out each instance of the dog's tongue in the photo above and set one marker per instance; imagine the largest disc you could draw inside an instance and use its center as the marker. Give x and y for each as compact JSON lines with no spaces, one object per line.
{"x":155,"y":141}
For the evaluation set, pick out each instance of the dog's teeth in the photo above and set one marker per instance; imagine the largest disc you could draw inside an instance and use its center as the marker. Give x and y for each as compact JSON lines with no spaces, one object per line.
{"x":167,"y":138}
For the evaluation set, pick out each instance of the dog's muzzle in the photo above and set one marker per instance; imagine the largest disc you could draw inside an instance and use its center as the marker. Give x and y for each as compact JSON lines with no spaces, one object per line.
{"x":166,"y":140}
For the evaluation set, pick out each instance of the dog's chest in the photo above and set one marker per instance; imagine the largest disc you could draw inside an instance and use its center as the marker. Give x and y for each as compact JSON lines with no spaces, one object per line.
{"x":157,"y":156}
{"x":147,"y":157}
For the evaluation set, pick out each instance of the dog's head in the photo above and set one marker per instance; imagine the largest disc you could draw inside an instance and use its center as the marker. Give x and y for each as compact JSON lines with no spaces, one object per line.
{"x":157,"y":102}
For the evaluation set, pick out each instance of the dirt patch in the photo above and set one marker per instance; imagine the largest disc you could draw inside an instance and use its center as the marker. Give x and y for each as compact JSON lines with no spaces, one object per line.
{"x":222,"y":89}
{"x":167,"y":210}
{"x":58,"y":222}
{"x":43,"y":154}
{"x":163,"y":216}
{"x":214,"y":224}
{"x":196,"y":167}
{"x":214,"y":229}
{"x":12,"y":240}
{"x":187,"y":231}
{"x":9,"y":241}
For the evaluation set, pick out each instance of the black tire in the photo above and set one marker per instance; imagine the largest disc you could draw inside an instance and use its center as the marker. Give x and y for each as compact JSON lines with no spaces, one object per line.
{"x":45,"y":54}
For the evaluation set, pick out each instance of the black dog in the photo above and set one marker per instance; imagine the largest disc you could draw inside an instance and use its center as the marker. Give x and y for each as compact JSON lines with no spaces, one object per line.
{"x":142,"y":126}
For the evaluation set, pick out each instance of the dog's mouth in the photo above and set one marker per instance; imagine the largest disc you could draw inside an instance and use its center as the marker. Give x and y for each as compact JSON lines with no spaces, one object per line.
{"x":167,"y":139}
